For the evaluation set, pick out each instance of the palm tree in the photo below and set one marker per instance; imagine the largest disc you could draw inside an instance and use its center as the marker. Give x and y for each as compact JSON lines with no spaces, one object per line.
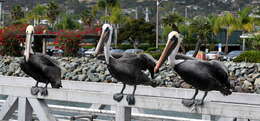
{"x":116,"y":18}
{"x":201,"y":27}
{"x":53,"y":12}
{"x":38,"y":13}
{"x":246,"y":23}
{"x":229,"y":22}
{"x":173,"y":19}
{"x":108,"y":5}
{"x":17,"y":13}
{"x":86,"y":17}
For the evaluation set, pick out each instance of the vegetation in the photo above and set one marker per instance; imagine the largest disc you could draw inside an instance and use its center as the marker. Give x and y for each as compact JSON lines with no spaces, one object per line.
{"x":10,"y":39}
{"x":229,"y":23}
{"x":86,"y":17}
{"x":37,"y":13}
{"x":252,"y":56}
{"x":197,"y":31}
{"x":17,"y":14}
{"x":253,"y":43}
{"x":136,"y":32}
{"x":67,"y":23}
{"x":201,"y":27}
{"x":69,"y":42}
{"x":53,"y":12}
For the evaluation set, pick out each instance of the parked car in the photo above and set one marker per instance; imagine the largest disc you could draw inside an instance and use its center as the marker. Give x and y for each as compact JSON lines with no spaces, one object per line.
{"x":232,"y":55}
{"x":190,"y":53}
{"x":117,"y":51}
{"x":81,"y":51}
{"x":54,"y":51}
{"x":135,"y":51}
{"x":215,"y":55}
{"x":90,"y":52}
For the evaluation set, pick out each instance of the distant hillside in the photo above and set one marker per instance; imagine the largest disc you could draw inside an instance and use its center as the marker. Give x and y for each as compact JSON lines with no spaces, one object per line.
{"x":194,"y":7}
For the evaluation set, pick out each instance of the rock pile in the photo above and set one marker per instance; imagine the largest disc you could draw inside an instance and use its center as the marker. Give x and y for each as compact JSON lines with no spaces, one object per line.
{"x":244,"y":77}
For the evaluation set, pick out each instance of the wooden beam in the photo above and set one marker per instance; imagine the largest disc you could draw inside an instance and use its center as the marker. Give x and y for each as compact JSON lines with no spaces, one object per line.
{"x":123,"y":113}
{"x":8,"y":108}
{"x":24,"y":110}
{"x":213,"y":96}
{"x":41,"y":109}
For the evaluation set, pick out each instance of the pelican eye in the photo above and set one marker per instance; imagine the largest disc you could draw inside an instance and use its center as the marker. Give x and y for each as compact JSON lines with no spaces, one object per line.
{"x":174,"y":38}
{"x":107,"y":29}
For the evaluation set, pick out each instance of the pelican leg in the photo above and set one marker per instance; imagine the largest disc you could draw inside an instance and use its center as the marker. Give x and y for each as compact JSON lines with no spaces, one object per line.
{"x":190,"y":102}
{"x":200,"y":102}
{"x":119,"y":96}
{"x":35,"y":90}
{"x":44,"y":91}
{"x":130,"y":97}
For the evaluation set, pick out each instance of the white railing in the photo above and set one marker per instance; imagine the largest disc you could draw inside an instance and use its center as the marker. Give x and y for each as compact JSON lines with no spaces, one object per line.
{"x":240,"y":105}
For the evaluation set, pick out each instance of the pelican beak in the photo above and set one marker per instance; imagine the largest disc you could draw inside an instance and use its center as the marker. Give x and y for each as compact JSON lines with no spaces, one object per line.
{"x":166,"y":52}
{"x":29,"y":37}
{"x":103,"y":37}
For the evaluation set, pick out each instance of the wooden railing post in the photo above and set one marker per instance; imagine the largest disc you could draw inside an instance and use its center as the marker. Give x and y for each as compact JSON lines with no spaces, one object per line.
{"x":24,"y":110}
{"x":44,"y":43}
{"x":8,"y":108}
{"x":123,"y":113}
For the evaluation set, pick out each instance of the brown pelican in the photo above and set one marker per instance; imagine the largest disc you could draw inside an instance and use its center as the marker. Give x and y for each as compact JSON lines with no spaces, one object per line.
{"x":128,"y":68}
{"x":202,"y":75}
{"x":40,"y":67}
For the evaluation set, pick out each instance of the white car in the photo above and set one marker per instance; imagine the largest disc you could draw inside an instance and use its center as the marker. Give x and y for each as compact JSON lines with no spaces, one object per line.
{"x":215,"y":55}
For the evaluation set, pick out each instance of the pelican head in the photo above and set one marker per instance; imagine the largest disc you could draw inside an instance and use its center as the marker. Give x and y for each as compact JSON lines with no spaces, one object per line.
{"x":105,"y":37}
{"x":173,"y":38}
{"x":29,"y":34}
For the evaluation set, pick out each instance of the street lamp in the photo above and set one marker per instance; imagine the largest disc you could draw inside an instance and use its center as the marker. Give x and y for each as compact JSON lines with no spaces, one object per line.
{"x":158,"y":2}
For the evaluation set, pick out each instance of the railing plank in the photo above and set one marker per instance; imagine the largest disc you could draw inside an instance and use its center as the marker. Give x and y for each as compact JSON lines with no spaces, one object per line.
{"x":213,"y":96}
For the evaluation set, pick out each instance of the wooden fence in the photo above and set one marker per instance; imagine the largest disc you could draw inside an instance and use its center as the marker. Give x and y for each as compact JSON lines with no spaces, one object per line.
{"x":20,"y":100}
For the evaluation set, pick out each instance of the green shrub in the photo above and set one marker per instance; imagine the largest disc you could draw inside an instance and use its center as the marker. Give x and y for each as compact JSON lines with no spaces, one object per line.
{"x":155,"y":55}
{"x":252,"y":56}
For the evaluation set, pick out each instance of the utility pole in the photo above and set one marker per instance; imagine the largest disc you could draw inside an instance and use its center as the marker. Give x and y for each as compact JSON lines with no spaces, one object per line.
{"x":136,"y":13}
{"x":146,"y":14}
{"x":158,"y":2}
{"x":157,"y":23}
{"x":1,"y":13}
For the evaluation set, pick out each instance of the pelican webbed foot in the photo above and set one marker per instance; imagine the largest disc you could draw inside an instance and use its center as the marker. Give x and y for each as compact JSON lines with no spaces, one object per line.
{"x":44,"y":91}
{"x":34,"y":90}
{"x":118,"y":97}
{"x":155,"y":83}
{"x":130,"y":99}
{"x":188,"y":102}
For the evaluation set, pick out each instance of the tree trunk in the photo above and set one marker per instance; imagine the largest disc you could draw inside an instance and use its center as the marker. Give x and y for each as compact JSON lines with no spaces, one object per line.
{"x":198,"y":44}
{"x":226,"y":44}
{"x":183,"y":49}
{"x":106,"y":13}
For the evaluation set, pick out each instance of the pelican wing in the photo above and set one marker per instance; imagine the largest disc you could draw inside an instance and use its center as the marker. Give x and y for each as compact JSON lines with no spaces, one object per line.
{"x":184,"y":57}
{"x":139,"y":61}
{"x":220,"y":72}
{"x":46,"y":66}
